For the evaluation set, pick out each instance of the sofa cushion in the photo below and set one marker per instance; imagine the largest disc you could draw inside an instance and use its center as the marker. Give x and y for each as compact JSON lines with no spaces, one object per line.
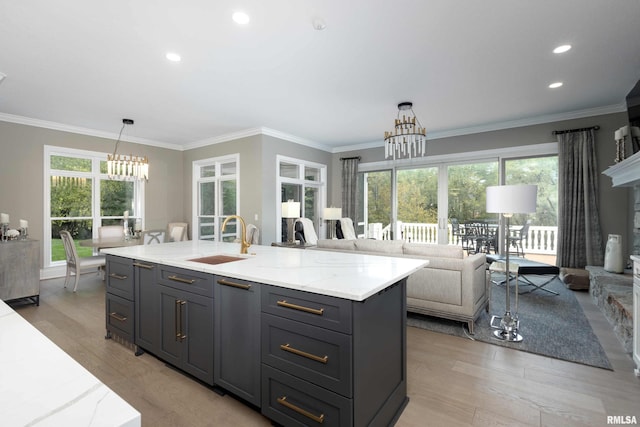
{"x":337,"y":244}
{"x":430,"y":250}
{"x":379,"y":246}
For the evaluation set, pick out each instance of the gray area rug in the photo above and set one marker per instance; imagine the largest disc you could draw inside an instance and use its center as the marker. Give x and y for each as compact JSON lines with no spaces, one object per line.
{"x":552,"y":325}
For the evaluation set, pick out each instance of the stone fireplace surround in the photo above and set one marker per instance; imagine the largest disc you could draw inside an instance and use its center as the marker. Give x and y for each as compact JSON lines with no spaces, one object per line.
{"x":614,"y":293}
{"x":627,"y":174}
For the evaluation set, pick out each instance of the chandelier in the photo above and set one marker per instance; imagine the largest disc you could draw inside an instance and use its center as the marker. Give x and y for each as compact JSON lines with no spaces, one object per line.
{"x":119,"y":166}
{"x":409,"y":139}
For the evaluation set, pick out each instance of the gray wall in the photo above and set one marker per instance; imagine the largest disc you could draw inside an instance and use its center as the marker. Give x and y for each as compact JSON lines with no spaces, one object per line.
{"x":615,"y":203}
{"x":22,"y":174}
{"x":168,"y":192}
{"x":258,"y":193}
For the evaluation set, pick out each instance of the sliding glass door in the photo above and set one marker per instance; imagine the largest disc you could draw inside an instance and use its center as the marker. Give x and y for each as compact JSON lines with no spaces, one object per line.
{"x":375,"y":200}
{"x":417,"y":204}
{"x":417,"y":201}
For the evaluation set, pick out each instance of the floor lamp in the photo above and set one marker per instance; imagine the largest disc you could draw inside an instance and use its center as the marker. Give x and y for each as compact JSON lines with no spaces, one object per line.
{"x":332,"y":215}
{"x":290,"y":211}
{"x":508,"y":200}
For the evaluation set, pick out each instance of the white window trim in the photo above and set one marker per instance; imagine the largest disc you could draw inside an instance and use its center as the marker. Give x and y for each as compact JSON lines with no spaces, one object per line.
{"x":320,"y":184}
{"x":96,"y":157}
{"x":195,"y":180}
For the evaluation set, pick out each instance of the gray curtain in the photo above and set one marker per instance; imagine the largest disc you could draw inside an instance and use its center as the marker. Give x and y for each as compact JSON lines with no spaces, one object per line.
{"x":579,"y":234}
{"x":350,"y":188}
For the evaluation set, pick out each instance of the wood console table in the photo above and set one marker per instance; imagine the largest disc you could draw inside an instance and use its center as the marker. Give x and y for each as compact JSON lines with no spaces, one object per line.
{"x":20,"y":270}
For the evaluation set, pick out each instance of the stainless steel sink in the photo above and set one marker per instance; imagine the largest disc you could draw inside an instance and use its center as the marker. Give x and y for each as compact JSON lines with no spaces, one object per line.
{"x":216,"y":259}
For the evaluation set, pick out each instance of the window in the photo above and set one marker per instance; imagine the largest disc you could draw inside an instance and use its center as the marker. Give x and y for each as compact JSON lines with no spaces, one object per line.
{"x":417,"y":203}
{"x":303,"y":182}
{"x":80,"y":197}
{"x":216,"y":196}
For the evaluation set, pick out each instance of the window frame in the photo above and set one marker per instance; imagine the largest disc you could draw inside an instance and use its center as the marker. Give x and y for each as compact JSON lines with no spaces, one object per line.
{"x":96,"y":177}
{"x":218,"y":178}
{"x":320,"y":184}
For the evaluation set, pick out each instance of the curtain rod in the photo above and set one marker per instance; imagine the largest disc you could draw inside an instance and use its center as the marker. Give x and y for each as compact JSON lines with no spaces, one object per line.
{"x":350,"y":158}
{"x":560,"y":132}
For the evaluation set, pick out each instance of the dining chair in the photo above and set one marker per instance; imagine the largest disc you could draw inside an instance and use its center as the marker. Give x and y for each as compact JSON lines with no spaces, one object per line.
{"x":110,"y":231}
{"x":77,"y":264}
{"x":176,"y":232}
{"x":151,"y":237}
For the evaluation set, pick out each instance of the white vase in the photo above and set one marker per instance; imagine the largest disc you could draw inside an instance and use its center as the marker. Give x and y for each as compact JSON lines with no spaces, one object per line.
{"x":613,"y":254}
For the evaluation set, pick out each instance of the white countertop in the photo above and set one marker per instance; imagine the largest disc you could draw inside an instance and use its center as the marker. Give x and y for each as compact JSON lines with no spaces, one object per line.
{"x":42,"y":385}
{"x":344,"y":275}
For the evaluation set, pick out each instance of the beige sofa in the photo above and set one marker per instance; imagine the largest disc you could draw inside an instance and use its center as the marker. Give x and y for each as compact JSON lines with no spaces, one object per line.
{"x":451,"y":286}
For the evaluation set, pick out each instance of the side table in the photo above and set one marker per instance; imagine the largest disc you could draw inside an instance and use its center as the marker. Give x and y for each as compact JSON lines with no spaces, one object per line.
{"x":20,"y":270}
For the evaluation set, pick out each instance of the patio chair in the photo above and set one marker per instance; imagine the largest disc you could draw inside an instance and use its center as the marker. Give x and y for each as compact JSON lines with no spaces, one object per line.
{"x":521,"y":236}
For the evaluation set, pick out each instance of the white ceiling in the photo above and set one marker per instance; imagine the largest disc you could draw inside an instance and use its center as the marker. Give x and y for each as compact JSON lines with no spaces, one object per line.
{"x":465,"y":64}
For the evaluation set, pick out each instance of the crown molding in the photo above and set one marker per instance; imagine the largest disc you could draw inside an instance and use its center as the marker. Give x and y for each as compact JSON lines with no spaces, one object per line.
{"x":509,"y":124}
{"x":549,"y":118}
{"x":257,"y":131}
{"x":11,"y":118}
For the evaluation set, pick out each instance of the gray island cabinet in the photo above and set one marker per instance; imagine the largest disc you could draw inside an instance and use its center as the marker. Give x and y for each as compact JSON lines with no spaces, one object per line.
{"x":309,"y":339}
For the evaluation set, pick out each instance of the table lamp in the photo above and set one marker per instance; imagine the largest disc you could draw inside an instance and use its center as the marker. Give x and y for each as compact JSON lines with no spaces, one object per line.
{"x":332,"y":215}
{"x":290,"y":211}
{"x":508,"y":200}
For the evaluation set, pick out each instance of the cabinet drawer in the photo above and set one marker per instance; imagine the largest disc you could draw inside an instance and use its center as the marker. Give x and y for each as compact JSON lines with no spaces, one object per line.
{"x":120,"y":316}
{"x":288,"y":400}
{"x":314,"y":354}
{"x":120,"y":277}
{"x":319,"y":310}
{"x":186,"y":280}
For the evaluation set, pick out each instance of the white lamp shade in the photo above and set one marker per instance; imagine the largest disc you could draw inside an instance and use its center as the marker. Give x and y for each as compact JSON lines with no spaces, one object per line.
{"x":512,"y":199}
{"x":290,"y":209}
{"x":332,"y":213}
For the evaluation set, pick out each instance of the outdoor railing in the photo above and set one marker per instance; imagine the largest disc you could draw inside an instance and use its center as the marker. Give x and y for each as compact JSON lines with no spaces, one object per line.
{"x":540,"y":239}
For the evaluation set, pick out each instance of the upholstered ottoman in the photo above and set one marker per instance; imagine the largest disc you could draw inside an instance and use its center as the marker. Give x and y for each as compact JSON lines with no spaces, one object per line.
{"x":575,"y":279}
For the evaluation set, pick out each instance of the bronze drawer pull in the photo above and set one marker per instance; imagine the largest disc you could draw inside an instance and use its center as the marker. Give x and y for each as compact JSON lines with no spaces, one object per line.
{"x":287,"y":347}
{"x":318,"y":311}
{"x":181,"y":280}
{"x":234,"y":284}
{"x":116,"y":276}
{"x":283,"y":401}
{"x":178,"y":325}
{"x":178,"y":319}
{"x":147,"y":266}
{"x":118,"y":316}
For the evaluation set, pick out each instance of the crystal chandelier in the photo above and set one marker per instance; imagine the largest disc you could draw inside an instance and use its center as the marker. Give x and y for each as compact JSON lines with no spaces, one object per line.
{"x":119,"y":166}
{"x":409,"y":139}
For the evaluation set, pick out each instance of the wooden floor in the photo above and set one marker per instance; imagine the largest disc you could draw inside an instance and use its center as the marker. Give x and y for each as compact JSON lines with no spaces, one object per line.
{"x":452,"y":381}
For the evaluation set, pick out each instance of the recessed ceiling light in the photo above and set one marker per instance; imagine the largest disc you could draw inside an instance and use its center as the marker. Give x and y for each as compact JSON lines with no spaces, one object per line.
{"x":555,"y":85}
{"x":562,"y":49}
{"x":172,"y":56}
{"x":240,"y":18}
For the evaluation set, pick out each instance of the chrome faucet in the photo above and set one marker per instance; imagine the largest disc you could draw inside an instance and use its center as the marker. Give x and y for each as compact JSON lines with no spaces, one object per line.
{"x":244,"y":245}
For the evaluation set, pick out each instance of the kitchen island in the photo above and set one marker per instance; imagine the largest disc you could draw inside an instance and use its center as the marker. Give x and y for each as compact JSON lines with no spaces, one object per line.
{"x":309,"y":337}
